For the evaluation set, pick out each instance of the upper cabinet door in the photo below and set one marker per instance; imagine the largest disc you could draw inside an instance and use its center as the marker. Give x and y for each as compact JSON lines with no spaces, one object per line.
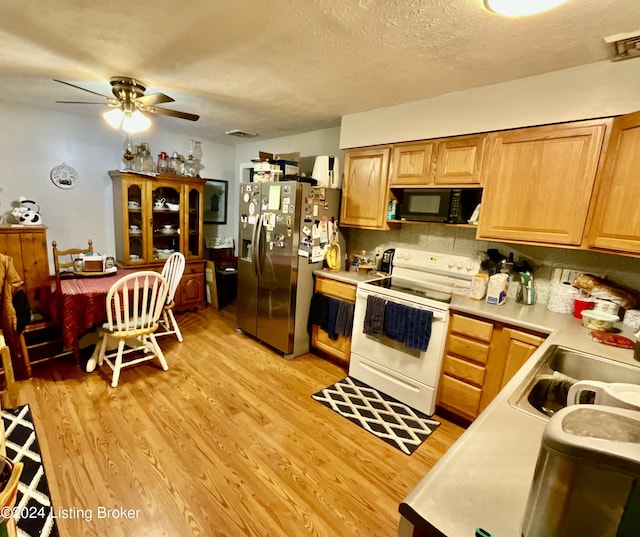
{"x":459,"y":160}
{"x":616,"y":220}
{"x":365,"y":187}
{"x":412,"y":164}
{"x":539,"y":183}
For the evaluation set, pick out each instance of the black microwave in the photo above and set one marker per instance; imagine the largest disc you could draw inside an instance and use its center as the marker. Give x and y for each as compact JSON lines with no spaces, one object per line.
{"x":451,"y":205}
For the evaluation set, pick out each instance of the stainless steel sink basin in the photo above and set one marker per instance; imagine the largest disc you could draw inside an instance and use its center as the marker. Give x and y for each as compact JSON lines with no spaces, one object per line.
{"x":544,"y":391}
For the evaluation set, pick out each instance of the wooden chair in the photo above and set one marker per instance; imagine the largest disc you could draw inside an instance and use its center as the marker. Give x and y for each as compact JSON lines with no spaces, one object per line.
{"x":64,"y":260}
{"x":134,"y":306}
{"x":9,"y":494}
{"x":42,"y":340}
{"x":172,"y":272}
{"x":8,"y":395}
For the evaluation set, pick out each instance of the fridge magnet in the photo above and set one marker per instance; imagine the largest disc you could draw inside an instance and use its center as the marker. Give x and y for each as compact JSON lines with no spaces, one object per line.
{"x":215,"y":202}
{"x":317,"y":254}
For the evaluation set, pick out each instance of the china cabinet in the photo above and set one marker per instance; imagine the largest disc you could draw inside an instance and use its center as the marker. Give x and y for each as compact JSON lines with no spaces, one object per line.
{"x":155,"y":216}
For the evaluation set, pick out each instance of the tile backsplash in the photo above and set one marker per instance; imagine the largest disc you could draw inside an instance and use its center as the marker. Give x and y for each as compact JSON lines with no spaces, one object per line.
{"x":622,"y":270}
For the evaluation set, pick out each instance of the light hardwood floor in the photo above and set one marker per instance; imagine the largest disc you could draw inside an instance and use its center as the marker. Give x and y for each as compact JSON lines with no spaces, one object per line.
{"x":228,"y":442}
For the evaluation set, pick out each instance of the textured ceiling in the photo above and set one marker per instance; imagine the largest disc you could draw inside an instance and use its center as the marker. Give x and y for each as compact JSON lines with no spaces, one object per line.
{"x":280,"y":67}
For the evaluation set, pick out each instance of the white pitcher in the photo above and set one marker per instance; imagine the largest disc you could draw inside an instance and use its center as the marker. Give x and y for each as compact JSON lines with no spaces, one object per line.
{"x":616,"y":394}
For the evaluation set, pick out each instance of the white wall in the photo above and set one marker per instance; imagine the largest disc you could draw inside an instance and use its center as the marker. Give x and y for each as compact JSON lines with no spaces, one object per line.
{"x":35,"y":140}
{"x":589,"y":91}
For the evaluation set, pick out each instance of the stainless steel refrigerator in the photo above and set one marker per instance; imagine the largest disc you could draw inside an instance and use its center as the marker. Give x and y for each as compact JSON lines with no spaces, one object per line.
{"x":284,"y":227}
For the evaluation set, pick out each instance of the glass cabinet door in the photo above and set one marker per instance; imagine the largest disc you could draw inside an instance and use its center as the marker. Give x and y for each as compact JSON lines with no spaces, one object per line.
{"x":136,"y":230}
{"x":193,"y":223}
{"x":166,"y":205}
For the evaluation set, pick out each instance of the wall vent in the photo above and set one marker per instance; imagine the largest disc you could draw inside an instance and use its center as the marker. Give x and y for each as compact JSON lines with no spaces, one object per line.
{"x":241,"y":134}
{"x":624,"y":46}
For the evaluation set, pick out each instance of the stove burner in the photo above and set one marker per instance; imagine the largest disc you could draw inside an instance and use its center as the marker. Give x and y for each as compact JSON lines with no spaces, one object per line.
{"x":413,"y":288}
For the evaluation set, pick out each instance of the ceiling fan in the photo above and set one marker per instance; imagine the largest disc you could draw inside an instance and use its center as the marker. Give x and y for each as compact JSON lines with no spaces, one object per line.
{"x":129,"y":101}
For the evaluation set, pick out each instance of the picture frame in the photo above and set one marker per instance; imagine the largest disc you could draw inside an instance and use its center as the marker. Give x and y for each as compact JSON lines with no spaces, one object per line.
{"x":215,"y":201}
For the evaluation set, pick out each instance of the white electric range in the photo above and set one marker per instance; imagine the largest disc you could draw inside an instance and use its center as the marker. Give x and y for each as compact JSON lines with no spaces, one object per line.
{"x":422,"y":280}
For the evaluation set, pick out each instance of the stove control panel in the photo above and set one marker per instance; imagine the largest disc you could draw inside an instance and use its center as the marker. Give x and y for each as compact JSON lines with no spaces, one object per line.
{"x":436,"y":262}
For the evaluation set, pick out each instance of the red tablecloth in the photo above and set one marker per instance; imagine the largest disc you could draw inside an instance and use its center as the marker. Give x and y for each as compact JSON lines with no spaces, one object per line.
{"x":81,"y":304}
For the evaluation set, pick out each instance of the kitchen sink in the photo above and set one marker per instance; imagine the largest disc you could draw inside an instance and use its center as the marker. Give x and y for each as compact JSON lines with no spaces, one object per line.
{"x":544,"y":391}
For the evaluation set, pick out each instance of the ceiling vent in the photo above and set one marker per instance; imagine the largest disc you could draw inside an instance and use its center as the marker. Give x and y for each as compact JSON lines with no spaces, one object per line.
{"x":624,"y":46}
{"x":241,"y":134}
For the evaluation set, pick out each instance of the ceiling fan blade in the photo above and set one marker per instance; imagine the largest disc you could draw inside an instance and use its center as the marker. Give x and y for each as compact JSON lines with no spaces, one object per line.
{"x":80,"y":102}
{"x":154,"y":98}
{"x":172,"y":113}
{"x":83,"y":89}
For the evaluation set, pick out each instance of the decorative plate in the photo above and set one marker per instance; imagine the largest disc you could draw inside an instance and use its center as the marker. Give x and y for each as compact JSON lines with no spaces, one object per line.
{"x":64,"y":176}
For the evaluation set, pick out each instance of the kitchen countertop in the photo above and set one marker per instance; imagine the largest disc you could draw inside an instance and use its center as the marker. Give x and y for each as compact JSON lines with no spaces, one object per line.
{"x":483,"y":480}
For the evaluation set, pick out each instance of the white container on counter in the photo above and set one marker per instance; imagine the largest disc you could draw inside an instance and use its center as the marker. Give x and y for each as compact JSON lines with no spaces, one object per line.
{"x":632,"y":319}
{"x":479,"y":284}
{"x":497,"y":289}
{"x":561,"y":298}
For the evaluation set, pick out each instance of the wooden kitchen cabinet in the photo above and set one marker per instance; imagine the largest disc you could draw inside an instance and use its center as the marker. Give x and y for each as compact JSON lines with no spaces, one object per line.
{"x":27,"y":246}
{"x":464,"y":366}
{"x":480,"y":357}
{"x":339,"y":349}
{"x":161,"y":230}
{"x":412,"y":164}
{"x":365,"y":187}
{"x":538,"y":183}
{"x":459,"y":160}
{"x":444,"y":162}
{"x":516,"y":346}
{"x":615,"y":225}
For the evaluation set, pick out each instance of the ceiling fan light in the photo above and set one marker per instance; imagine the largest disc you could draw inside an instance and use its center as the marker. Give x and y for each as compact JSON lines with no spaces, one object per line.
{"x":136,"y":122}
{"x":114,"y":117}
{"x":519,"y":8}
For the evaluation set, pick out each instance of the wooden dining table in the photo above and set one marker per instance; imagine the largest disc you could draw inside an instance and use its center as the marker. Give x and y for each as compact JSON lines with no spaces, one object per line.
{"x":80,"y":303}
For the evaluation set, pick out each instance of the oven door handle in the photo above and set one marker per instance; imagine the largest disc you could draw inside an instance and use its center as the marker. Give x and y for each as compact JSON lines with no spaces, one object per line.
{"x":438,"y":315}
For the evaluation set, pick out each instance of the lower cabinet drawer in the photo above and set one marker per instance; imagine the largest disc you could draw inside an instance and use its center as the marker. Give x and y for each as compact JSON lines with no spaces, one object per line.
{"x":468,"y":348}
{"x":336,"y":289}
{"x":459,"y":397}
{"x":472,"y":373}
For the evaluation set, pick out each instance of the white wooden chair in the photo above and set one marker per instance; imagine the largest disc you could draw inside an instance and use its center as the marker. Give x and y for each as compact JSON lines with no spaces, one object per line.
{"x":134,"y":307}
{"x":172,"y":272}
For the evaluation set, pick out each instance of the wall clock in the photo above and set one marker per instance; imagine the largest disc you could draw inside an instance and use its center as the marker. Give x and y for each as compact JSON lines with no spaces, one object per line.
{"x":64,"y":176}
